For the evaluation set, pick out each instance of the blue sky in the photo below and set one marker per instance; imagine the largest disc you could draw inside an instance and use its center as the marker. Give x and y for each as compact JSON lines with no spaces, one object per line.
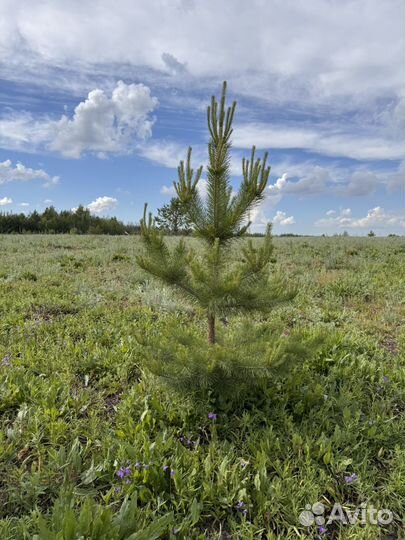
{"x":100,"y":100}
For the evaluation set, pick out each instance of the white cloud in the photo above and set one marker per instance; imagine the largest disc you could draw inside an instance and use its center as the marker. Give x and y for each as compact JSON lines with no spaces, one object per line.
{"x":172,"y":63}
{"x":259,"y":218}
{"x":170,"y":153}
{"x":5,"y":201}
{"x":307,"y":178}
{"x":319,"y":141}
{"x":281,"y":218}
{"x":21,"y":173}
{"x":317,"y":51}
{"x":20,"y":131}
{"x":167,"y":153}
{"x":102,"y":125}
{"x":362,"y":183}
{"x":377,"y":218}
{"x":99,"y":125}
{"x":324,"y":60}
{"x":168,"y":191}
{"x":280,"y":183}
{"x":102,"y":204}
{"x":24,"y":204}
{"x":313,"y":180}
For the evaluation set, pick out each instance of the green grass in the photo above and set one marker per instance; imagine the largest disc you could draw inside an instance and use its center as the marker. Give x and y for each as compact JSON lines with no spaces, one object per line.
{"x":75,"y":406}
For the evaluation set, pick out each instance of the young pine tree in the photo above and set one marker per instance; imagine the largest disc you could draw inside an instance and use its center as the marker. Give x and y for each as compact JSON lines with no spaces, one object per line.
{"x":172,"y":219}
{"x":218,"y":277}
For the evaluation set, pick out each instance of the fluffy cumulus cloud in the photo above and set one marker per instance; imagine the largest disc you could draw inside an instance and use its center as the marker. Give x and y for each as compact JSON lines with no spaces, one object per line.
{"x":281,"y":218}
{"x":377,"y":218}
{"x":103,"y":124}
{"x":21,"y":173}
{"x":5,"y":201}
{"x":261,"y":216}
{"x":102,"y":205}
{"x":100,"y":124}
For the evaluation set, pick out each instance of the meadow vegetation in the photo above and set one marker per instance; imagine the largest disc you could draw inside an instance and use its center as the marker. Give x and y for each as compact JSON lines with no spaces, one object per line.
{"x":93,"y":446}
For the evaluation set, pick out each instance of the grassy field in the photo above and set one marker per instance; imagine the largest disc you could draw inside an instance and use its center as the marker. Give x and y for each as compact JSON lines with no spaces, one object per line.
{"x":93,"y":448}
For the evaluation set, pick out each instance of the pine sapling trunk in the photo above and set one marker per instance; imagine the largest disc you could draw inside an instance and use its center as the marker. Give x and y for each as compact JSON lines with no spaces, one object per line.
{"x":211,"y":329}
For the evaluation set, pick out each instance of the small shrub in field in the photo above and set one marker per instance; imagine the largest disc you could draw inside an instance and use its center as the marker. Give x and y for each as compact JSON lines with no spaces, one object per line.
{"x":120,"y":257}
{"x":29,"y":276}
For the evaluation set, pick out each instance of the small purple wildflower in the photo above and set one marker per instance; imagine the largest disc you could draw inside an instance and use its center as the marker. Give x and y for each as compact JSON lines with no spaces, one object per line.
{"x":171,"y":472}
{"x":243,"y":464}
{"x":138,"y":465}
{"x":165,"y":467}
{"x":322,"y":529}
{"x":350,"y":479}
{"x":212,"y":416}
{"x":123,"y":471}
{"x":240,"y":505}
{"x":6,"y":360}
{"x":175,"y":530}
{"x":117,"y":489}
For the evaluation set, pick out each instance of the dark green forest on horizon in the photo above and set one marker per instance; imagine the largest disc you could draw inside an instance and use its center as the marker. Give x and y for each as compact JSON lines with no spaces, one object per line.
{"x":50,"y":221}
{"x":170,"y":219}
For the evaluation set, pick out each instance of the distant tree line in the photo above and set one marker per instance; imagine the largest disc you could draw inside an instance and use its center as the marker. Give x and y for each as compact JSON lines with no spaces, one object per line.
{"x":50,"y":221}
{"x":171,"y":219}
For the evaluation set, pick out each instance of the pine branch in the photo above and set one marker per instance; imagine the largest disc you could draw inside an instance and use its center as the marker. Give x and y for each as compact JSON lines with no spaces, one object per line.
{"x":187,"y":192}
{"x":218,"y":171}
{"x":251,"y":193}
